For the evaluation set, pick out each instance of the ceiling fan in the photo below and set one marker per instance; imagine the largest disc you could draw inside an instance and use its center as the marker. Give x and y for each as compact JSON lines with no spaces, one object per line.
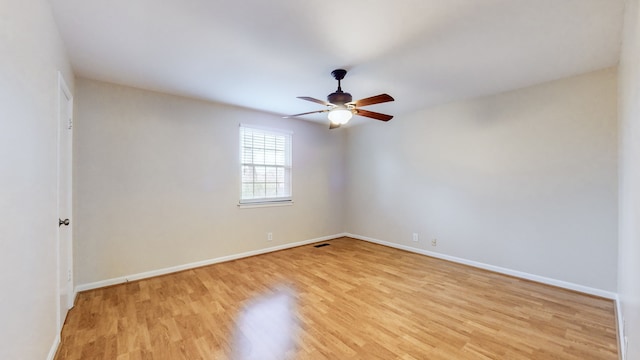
{"x":341,"y":107}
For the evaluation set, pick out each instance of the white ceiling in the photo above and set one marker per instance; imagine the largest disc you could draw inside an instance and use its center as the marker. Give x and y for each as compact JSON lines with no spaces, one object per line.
{"x":262,"y":54}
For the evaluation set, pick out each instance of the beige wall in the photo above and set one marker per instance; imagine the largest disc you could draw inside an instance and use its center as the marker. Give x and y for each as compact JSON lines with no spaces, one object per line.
{"x":524,"y":180}
{"x":31,"y":53}
{"x":157,"y":182}
{"x":629,"y":251}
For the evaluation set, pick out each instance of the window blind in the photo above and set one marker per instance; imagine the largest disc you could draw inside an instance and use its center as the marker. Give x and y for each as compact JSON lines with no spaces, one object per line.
{"x":265,"y":158}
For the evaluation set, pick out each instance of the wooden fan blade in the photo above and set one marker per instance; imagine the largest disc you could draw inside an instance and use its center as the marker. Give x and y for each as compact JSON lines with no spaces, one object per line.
{"x":333,"y":126}
{"x":315,"y":100}
{"x":382,"y":98}
{"x":373,"y":115}
{"x":305,"y":113}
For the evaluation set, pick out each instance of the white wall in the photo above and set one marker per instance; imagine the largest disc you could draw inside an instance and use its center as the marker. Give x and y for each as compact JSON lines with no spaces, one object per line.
{"x":524,"y":180}
{"x":157,"y":182}
{"x":629,"y":241}
{"x":31,"y":55}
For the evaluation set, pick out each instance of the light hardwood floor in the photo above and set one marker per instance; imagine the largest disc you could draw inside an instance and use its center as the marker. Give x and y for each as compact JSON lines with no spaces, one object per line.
{"x":354,"y":300}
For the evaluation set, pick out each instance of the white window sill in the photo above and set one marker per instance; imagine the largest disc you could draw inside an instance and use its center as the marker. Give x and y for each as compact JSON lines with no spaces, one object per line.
{"x":264,"y":204}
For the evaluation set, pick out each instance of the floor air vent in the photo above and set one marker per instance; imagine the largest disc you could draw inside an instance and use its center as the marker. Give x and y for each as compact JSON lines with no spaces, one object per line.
{"x":321,"y":245}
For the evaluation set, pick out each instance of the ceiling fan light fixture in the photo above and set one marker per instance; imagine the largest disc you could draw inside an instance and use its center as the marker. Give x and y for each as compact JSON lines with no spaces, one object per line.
{"x":340,"y":116}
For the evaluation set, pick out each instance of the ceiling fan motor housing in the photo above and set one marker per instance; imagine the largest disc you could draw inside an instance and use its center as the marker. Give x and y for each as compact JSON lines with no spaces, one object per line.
{"x":339,"y":98}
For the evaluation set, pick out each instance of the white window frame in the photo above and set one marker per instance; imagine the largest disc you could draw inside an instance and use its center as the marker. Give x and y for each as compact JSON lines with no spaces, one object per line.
{"x":261,"y":162}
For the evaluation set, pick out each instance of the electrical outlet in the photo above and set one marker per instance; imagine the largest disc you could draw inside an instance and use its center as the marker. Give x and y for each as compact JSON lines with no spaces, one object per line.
{"x":269,"y":236}
{"x":434,"y":242}
{"x":415,"y":237}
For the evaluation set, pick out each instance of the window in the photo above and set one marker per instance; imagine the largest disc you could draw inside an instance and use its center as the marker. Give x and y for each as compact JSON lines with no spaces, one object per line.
{"x":265,"y":161}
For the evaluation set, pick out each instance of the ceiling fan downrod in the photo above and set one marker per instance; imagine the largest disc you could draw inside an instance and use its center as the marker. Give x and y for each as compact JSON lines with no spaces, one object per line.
{"x":339,"y":97}
{"x":339,"y":74}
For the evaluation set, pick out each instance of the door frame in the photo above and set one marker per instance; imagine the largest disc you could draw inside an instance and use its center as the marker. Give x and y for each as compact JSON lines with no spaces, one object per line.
{"x":64,"y":148}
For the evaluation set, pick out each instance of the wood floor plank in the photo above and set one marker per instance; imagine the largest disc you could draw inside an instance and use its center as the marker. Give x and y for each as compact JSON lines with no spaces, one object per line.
{"x":353,"y":300}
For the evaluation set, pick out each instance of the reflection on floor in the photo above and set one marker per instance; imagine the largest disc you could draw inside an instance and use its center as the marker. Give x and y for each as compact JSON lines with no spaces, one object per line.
{"x":266,"y":328}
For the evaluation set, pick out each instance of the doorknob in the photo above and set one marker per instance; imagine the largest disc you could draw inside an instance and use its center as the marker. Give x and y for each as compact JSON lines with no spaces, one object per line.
{"x":64,"y":222}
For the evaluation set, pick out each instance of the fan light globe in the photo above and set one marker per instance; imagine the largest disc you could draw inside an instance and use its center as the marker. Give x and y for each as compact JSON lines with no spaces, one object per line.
{"x":340,"y":116}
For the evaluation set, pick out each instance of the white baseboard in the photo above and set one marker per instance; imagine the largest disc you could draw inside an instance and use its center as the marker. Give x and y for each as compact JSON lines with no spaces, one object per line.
{"x":172,"y":269}
{"x":621,"y":335}
{"x":515,"y":273}
{"x":54,"y":348}
{"x":74,"y":296}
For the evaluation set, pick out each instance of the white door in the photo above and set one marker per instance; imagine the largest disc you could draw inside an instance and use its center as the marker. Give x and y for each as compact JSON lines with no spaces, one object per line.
{"x":65,"y":243}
